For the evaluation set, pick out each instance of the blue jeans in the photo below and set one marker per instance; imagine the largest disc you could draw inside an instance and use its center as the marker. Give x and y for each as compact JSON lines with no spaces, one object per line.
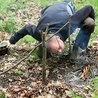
{"x":83,"y":37}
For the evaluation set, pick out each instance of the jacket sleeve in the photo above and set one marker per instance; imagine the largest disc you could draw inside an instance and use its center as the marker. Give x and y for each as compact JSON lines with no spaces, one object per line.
{"x":18,"y":35}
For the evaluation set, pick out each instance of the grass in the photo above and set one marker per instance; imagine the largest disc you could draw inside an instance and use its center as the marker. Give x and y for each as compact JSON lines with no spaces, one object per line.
{"x":27,"y":39}
{"x":47,"y":2}
{"x":8,"y":25}
{"x":94,"y":85}
{"x":5,"y":24}
{"x":72,"y":94}
{"x":7,"y":7}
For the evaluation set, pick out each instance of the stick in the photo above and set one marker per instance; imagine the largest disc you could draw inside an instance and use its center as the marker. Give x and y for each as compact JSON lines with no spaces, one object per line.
{"x":44,"y":57}
{"x":69,"y":39}
{"x":19,"y":61}
{"x":44,"y":53}
{"x":58,"y":30}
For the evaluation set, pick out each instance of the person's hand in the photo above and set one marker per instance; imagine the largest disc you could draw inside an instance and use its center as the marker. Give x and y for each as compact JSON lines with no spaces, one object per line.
{"x":6,"y":42}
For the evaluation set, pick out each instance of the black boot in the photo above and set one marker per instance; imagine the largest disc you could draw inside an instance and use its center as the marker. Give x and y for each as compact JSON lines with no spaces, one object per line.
{"x":78,"y":55}
{"x":74,"y":53}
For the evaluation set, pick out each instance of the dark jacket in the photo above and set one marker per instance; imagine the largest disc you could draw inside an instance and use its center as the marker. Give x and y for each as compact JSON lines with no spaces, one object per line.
{"x":56,"y":16}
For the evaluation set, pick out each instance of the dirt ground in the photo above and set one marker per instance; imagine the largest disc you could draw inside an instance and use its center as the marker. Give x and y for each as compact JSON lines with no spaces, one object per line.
{"x":25,"y":80}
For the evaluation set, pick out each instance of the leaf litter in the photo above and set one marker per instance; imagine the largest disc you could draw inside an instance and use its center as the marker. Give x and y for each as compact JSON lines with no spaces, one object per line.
{"x":25,"y":81}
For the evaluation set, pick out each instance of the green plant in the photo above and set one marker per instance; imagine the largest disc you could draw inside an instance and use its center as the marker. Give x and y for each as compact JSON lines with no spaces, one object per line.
{"x":34,"y":57}
{"x":27,"y":39}
{"x":17,"y":72}
{"x":4,"y":5}
{"x":8,"y":25}
{"x":72,"y":94}
{"x":94,"y":85}
{"x":47,"y":2}
{"x":95,"y":94}
{"x":20,"y":4}
{"x":7,"y":7}
{"x":2,"y":94}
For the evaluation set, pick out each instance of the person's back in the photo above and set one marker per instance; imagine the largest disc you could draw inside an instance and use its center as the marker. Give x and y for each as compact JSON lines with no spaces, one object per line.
{"x":56,"y":16}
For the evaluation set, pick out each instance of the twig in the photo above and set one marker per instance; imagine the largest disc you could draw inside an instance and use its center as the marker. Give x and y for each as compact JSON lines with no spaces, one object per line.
{"x":92,"y":73}
{"x":44,"y":53}
{"x":34,"y":49}
{"x":58,"y":30}
{"x":19,"y":61}
{"x":69,"y":39}
{"x":44,"y":57}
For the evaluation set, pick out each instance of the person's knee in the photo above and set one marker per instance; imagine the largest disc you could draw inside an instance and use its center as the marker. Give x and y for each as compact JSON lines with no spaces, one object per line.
{"x":89,"y":23}
{"x":89,"y":8}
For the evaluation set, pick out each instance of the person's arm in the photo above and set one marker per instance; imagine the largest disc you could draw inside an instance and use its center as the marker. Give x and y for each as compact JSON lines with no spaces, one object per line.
{"x":18,"y":35}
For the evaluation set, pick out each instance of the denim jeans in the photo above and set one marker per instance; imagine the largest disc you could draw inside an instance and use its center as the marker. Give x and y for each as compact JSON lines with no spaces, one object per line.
{"x":78,"y":19}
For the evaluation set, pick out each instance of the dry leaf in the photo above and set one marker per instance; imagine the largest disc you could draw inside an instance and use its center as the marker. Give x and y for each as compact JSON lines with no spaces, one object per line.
{"x":34,"y":84}
{"x":16,"y":90}
{"x":85,"y":71}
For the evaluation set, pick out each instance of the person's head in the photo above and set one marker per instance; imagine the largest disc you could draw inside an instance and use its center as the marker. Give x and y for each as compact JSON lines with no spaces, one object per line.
{"x":55,"y":44}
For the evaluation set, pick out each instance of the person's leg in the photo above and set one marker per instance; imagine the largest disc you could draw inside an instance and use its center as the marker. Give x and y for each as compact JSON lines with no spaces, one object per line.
{"x":79,"y":16}
{"x":80,"y":20}
{"x":26,"y":30}
{"x":83,"y":37}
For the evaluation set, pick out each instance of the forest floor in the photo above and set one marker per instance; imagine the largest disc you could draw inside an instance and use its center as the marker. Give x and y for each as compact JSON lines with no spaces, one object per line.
{"x":63,"y":79}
